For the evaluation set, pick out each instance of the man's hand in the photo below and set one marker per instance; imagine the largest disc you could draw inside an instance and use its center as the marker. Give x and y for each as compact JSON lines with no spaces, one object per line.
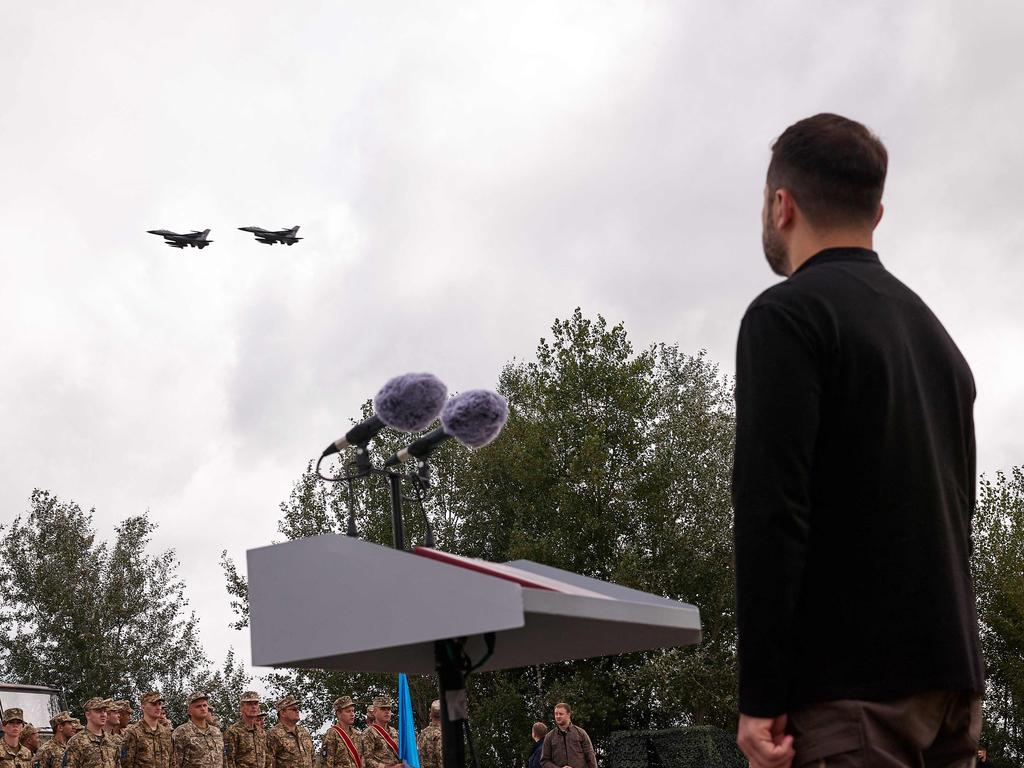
{"x":764,"y":741}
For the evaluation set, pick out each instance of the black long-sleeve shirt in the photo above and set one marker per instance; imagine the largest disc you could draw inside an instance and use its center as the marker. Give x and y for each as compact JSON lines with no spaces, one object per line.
{"x":853,"y":488}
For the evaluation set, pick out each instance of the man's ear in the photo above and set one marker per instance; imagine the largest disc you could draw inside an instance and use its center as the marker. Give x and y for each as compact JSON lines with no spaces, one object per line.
{"x":878,"y":216}
{"x":783,"y":208}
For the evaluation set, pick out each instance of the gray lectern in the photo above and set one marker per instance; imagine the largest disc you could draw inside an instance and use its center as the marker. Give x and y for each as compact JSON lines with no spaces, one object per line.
{"x":335,"y":602}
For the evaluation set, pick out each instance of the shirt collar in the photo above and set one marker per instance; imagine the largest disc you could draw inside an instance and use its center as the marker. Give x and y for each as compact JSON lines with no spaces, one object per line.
{"x":840,"y":254}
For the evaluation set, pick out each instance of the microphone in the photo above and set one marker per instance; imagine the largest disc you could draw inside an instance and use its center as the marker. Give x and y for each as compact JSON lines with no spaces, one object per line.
{"x":474,"y":418}
{"x":407,"y":403}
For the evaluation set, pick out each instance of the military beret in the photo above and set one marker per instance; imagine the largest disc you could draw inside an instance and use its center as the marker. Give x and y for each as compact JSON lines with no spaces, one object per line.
{"x":381,"y":702}
{"x":198,"y":696}
{"x":435,"y":706}
{"x":250,"y":696}
{"x":29,"y":731}
{"x":343,"y":702}
{"x":152,"y":697}
{"x":287,"y":701}
{"x":95,"y":703}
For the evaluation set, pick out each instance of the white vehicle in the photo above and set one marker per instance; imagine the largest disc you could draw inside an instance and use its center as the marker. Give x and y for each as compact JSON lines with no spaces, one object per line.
{"x":38,"y":702}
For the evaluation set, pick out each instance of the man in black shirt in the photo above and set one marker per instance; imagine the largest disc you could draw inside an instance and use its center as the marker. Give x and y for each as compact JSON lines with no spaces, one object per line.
{"x":853,"y":485}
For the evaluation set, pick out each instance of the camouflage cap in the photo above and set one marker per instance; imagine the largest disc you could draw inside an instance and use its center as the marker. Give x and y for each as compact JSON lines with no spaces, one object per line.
{"x":250,"y":696}
{"x":77,"y":723}
{"x":109,"y":704}
{"x":263,"y":713}
{"x":152,"y":697}
{"x":198,"y":696}
{"x":30,"y":730}
{"x":59,"y":719}
{"x":13,"y":715}
{"x":343,"y":702}
{"x":95,"y":703}
{"x":381,"y":702}
{"x":122,"y":705}
{"x":288,"y":701}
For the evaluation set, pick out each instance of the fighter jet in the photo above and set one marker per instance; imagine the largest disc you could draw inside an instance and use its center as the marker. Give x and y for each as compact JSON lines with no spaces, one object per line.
{"x":195,"y":239}
{"x":270,"y":236}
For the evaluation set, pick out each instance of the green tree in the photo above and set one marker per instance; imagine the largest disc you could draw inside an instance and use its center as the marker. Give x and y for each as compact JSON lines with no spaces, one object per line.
{"x":91,"y":617}
{"x":998,"y":566}
{"x":614,"y":464}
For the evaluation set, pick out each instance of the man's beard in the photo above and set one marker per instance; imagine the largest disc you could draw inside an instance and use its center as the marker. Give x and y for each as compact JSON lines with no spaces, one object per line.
{"x":774,"y":249}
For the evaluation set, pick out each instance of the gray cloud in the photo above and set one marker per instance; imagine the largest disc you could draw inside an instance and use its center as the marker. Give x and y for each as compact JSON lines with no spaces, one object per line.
{"x":462,"y":174}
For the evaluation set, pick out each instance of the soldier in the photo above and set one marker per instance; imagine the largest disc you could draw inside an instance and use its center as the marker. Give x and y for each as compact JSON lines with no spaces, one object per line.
{"x":12,"y":754}
{"x":147,"y":743}
{"x":124,"y":712}
{"x":29,"y":738}
{"x":428,"y":743}
{"x":52,"y":752}
{"x":379,"y":745}
{"x":245,"y":742}
{"x":113,"y":726}
{"x":91,"y":747}
{"x":289,"y":745}
{"x":340,"y":747}
{"x":196,"y":743}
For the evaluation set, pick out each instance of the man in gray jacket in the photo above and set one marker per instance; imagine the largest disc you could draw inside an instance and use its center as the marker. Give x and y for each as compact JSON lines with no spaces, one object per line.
{"x":567,"y":745}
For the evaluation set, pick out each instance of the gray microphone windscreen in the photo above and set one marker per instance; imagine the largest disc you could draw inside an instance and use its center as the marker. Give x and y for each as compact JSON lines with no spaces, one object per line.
{"x":475,"y":417}
{"x":410,"y":402}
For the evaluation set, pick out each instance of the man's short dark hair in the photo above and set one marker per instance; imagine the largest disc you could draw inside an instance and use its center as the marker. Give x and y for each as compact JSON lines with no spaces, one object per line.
{"x":539,"y":730}
{"x":563,"y":705}
{"x":833,"y":166}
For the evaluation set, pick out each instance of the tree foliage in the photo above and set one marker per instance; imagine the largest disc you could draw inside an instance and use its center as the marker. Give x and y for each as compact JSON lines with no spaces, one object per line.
{"x":92,"y":617}
{"x":998,"y":566}
{"x":615,"y":464}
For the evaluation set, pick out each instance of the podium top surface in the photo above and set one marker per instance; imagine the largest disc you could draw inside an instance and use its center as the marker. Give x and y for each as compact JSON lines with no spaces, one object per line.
{"x":334,"y":602}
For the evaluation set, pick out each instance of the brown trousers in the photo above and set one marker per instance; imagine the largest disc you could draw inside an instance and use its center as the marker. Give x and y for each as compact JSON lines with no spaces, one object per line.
{"x":927,"y":730}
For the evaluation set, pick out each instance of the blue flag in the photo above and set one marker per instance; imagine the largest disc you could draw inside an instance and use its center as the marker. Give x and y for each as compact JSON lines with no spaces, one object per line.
{"x":406,"y":727}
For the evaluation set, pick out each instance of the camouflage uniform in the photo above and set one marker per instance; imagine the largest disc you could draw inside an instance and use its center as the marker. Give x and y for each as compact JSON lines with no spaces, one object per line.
{"x":197,"y":748}
{"x":50,"y":754}
{"x":87,"y":750}
{"x":289,"y":749}
{"x":245,"y":746}
{"x":428,"y":744}
{"x":334,"y":753}
{"x":17,"y":756}
{"x":145,"y":747}
{"x":375,"y":751}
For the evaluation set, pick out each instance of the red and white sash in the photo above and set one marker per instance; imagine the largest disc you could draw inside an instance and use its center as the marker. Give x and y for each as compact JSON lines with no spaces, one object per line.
{"x":351,"y":747}
{"x":387,"y":738}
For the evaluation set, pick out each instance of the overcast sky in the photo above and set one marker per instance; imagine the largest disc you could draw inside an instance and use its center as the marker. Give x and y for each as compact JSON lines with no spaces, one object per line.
{"x":463,"y":173}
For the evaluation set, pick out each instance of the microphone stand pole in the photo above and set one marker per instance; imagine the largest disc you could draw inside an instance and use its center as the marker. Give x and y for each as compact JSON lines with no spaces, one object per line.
{"x":395,"y":483}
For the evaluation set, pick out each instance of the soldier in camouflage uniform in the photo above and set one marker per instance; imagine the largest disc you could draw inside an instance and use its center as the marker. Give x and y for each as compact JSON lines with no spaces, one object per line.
{"x":29,"y":739}
{"x":147,"y":743}
{"x":428,"y":743}
{"x":119,"y":718}
{"x":340,"y":748}
{"x":12,"y":754}
{"x":245,"y":742}
{"x":379,"y":743}
{"x":91,"y":747}
{"x":52,"y":752}
{"x":196,"y":743}
{"x":289,"y":745}
{"x":113,"y":725}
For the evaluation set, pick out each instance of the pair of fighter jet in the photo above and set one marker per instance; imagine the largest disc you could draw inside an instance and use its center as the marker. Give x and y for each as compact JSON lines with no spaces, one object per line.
{"x":197,"y":239}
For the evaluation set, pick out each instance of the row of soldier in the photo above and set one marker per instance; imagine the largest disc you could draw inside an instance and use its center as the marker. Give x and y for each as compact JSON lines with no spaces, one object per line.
{"x":109,"y":740}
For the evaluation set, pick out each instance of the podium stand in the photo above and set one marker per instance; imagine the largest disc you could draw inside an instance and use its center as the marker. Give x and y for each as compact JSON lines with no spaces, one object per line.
{"x":335,"y":602}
